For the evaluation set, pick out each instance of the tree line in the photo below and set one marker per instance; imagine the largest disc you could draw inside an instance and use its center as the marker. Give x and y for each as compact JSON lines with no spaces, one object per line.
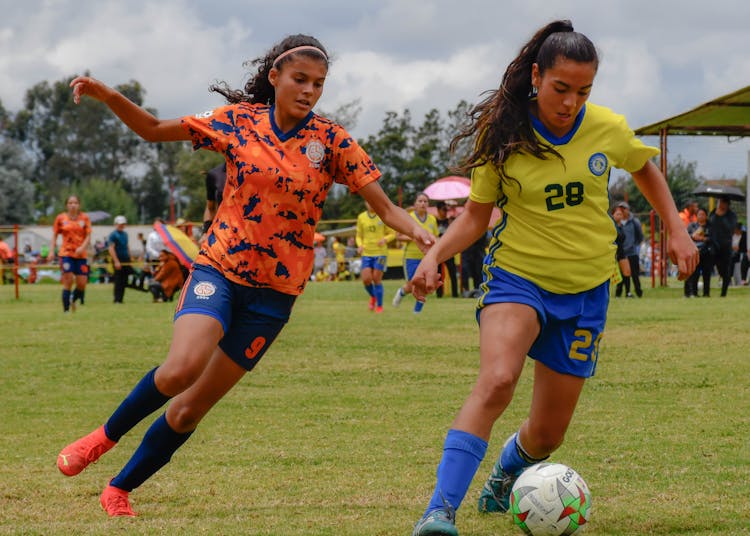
{"x":53,"y":147}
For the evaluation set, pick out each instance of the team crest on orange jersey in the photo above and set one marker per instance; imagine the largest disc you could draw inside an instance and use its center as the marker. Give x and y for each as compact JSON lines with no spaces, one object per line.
{"x":315,"y":152}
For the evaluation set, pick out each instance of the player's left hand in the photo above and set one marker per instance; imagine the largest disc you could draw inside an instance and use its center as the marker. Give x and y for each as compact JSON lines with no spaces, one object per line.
{"x":683,"y":253}
{"x":423,"y":239}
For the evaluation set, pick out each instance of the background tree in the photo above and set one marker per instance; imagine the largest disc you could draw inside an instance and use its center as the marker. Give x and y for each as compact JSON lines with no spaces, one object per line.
{"x":72,"y":143}
{"x":98,"y":194}
{"x":681,"y":179}
{"x":16,"y":190}
{"x":390,"y":150}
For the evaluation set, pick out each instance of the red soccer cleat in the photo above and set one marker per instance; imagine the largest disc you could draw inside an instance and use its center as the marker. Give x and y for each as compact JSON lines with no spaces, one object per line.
{"x":115,"y":502}
{"x":379,"y":309}
{"x":78,"y":455}
{"x":373,"y":301}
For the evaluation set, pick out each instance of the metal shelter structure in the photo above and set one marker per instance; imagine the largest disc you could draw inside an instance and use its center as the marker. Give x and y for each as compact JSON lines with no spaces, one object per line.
{"x":728,"y":116}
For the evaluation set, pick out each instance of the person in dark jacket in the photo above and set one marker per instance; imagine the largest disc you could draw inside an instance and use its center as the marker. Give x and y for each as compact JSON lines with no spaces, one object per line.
{"x":631,"y":243}
{"x":722,"y":222}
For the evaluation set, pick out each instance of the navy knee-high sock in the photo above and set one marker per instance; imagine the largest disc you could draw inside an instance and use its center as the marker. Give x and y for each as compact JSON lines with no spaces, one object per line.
{"x":142,"y":401}
{"x":379,"y":294}
{"x":462,"y":454}
{"x":514,"y":458}
{"x":154,"y":452}
{"x":66,"y":299}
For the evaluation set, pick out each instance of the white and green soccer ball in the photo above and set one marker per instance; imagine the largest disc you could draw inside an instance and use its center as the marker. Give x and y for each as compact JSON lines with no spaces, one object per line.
{"x":550,"y":499}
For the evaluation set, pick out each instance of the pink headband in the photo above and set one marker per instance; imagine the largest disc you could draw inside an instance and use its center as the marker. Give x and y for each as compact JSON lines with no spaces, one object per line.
{"x":298,"y":49}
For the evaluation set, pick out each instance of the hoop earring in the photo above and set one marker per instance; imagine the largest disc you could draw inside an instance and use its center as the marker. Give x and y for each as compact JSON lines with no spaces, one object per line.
{"x":534,"y":91}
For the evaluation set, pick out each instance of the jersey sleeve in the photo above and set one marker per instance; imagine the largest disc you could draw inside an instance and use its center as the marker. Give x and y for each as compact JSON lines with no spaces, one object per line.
{"x":485,"y":184}
{"x":352,"y":166}
{"x":634,"y":153}
{"x":214,"y":129}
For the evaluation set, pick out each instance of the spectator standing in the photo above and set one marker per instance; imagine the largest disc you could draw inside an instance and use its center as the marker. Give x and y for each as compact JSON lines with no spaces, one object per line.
{"x":722,"y":222}
{"x":472,"y":260}
{"x":688,"y":214}
{"x":699,"y":232}
{"x":631,"y":243}
{"x":623,"y":263}
{"x":75,"y":228}
{"x":443,"y":221}
{"x":739,"y":254}
{"x":119,"y":252}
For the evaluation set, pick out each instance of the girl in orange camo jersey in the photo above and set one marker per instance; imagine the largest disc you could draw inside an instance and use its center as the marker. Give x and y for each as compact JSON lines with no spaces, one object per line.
{"x":281,"y":161}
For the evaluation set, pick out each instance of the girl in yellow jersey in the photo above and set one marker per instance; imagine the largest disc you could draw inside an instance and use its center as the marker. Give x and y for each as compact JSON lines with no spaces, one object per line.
{"x":372,"y":244}
{"x":543,"y":155}
{"x":412,"y":253}
{"x":282,"y":160}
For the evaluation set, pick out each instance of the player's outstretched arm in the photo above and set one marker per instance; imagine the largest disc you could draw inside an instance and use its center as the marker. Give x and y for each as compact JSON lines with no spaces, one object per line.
{"x":143,"y":123}
{"x":681,"y":248}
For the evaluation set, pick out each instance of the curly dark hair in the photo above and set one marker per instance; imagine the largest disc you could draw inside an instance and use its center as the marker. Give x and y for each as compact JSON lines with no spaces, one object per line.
{"x":500,"y":124}
{"x":258,"y":89}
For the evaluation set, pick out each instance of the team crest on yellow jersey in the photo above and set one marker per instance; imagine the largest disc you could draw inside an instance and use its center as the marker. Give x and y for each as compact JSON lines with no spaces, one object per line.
{"x":315,"y":152}
{"x":598,"y":164}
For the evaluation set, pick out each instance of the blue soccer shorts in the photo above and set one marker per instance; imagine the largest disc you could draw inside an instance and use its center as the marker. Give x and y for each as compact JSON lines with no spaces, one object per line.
{"x":252,"y":317}
{"x":74,"y":266}
{"x":571,"y":324}
{"x":375,"y":263}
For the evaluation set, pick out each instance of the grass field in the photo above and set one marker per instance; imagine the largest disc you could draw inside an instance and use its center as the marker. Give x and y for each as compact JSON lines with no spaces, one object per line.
{"x":339,"y":429}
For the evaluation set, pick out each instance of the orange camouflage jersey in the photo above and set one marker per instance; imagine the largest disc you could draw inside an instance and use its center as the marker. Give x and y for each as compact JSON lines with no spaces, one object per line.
{"x":73,"y":232}
{"x":277,"y":182}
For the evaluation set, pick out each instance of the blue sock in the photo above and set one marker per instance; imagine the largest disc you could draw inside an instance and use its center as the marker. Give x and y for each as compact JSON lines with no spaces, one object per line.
{"x":78,"y":295}
{"x":418,"y":306}
{"x":66,"y":299}
{"x":142,"y":401}
{"x":369,"y":289}
{"x":514,"y":458}
{"x":154,"y":452}
{"x":462,"y":454}
{"x":379,"y":294}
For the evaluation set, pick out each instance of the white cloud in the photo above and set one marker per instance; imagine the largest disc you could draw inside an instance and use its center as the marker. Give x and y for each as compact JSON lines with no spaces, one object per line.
{"x":392,"y":54}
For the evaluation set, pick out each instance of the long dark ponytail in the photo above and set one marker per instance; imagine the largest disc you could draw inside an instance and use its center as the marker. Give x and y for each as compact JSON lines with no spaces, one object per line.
{"x":500,"y":123}
{"x":258,"y":89}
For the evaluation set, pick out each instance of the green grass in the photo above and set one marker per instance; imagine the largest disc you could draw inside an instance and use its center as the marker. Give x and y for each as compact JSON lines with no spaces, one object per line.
{"x":339,"y":429}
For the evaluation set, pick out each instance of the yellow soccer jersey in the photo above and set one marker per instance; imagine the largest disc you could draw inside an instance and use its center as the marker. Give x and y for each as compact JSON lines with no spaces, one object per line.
{"x":555,"y":230}
{"x":429,"y":224}
{"x":370,"y":232}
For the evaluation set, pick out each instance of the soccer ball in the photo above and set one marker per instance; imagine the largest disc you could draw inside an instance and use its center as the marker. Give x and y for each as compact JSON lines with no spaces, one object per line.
{"x":550,"y":499}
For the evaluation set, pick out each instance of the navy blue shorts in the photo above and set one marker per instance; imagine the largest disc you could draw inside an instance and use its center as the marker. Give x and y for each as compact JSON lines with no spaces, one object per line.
{"x":571,"y":324}
{"x":75,"y":266}
{"x":251,"y":317}
{"x":410,"y":267}
{"x":376,"y":263}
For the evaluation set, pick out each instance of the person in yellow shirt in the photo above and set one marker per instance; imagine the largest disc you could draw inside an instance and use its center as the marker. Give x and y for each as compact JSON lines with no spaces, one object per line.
{"x":412,"y":253}
{"x":543,"y":154}
{"x":372,"y":244}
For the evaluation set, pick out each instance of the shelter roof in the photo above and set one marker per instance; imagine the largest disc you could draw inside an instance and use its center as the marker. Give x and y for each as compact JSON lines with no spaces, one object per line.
{"x":724,"y":116}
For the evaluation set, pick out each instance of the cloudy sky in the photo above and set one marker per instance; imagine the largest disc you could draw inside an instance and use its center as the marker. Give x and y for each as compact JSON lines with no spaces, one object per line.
{"x":659,"y":57}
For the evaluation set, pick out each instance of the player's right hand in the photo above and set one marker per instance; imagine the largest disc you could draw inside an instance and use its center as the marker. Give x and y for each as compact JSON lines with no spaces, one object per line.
{"x":85,"y":85}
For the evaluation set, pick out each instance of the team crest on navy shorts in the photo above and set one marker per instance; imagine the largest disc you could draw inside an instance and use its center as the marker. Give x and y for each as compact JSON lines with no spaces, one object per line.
{"x":598,"y":164}
{"x":204,"y":289}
